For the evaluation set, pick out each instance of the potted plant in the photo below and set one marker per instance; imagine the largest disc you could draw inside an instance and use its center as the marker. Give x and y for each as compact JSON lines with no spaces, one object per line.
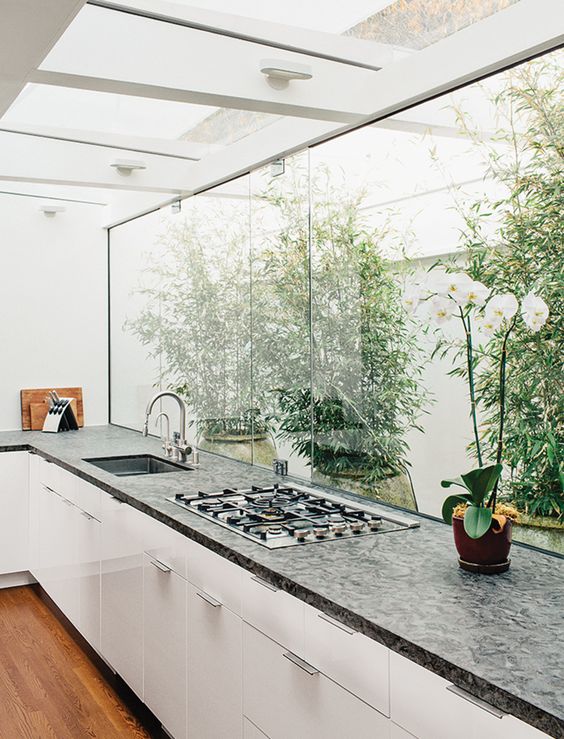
{"x":482,"y":525}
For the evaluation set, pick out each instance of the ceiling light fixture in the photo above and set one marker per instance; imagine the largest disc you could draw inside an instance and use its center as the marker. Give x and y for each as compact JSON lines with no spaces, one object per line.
{"x":280,"y":72}
{"x":127,"y":166}
{"x":51,"y":210}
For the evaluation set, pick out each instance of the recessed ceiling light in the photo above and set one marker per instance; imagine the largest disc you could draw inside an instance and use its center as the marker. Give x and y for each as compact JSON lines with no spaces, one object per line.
{"x":127,"y":166}
{"x":280,"y":72}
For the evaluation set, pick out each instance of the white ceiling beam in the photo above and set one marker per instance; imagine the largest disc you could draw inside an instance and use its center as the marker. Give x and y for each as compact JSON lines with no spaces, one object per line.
{"x":138,"y":144}
{"x":508,"y":37}
{"x":332,"y":46}
{"x":28,"y":31}
{"x":49,"y":161}
{"x":159,"y":60}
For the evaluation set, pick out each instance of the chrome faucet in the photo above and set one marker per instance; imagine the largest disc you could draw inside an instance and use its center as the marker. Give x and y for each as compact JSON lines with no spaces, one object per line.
{"x":180,"y":449}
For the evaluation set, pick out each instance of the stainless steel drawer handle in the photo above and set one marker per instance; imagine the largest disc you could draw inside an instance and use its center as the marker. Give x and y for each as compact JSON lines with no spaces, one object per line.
{"x":476,"y":701}
{"x":302,"y":664}
{"x":212,"y":601}
{"x":159,"y":565}
{"x":87,"y":516}
{"x":264,"y":583}
{"x":338,"y":624}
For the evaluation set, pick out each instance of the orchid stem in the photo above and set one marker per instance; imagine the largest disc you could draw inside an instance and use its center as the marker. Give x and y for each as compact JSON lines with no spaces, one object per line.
{"x":502,"y":366}
{"x":470,"y":363}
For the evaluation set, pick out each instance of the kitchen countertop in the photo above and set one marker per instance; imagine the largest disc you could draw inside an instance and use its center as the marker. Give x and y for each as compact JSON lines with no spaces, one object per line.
{"x":498,"y":637}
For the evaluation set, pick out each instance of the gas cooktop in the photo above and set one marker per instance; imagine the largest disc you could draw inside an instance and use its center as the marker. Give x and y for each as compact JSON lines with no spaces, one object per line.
{"x":284,"y":516}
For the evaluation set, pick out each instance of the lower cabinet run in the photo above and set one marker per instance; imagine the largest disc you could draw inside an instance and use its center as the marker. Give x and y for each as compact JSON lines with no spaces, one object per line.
{"x":218,"y":653}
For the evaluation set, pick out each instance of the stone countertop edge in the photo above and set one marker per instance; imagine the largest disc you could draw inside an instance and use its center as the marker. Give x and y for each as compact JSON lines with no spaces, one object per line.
{"x":477,"y":686}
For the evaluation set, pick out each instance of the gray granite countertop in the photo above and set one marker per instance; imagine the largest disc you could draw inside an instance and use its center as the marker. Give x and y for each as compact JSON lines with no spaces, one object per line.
{"x":498,"y":637}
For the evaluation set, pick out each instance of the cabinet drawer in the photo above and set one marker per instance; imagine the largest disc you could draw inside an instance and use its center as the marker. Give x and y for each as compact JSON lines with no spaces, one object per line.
{"x":49,"y":474}
{"x":274,"y":612}
{"x":59,"y":480}
{"x":356,"y":662}
{"x":426,"y":706}
{"x":215,"y":575}
{"x":286,"y":697}
{"x":513,"y":728}
{"x":166,"y":545}
{"x":88,"y":497}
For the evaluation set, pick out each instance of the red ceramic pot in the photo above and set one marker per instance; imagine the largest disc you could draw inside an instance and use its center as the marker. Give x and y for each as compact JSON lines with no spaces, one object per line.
{"x":489,"y":551}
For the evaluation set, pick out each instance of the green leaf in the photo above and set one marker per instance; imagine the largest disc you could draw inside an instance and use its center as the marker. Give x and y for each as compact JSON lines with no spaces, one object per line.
{"x":456,"y":481}
{"x":482,"y":481}
{"x":450,"y":504}
{"x":477,"y":521}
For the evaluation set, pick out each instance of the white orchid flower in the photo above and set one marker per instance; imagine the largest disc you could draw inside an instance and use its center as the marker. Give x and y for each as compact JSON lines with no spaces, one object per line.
{"x":534,"y":311}
{"x":440,"y":309}
{"x":456,"y":286}
{"x":502,"y":307}
{"x":489,"y":324}
{"x":411,"y":298}
{"x":472,"y":293}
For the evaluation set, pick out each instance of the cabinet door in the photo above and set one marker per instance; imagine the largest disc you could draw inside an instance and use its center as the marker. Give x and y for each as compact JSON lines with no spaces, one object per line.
{"x":58,"y":552}
{"x":34,"y":506}
{"x":165,"y":625}
{"x":286,"y":697}
{"x":429,"y":707}
{"x":214,"y":669}
{"x":89,"y":555}
{"x":122,"y":590}
{"x":14,"y":512}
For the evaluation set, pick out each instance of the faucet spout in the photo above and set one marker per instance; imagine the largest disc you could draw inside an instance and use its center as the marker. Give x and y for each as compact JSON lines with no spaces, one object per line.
{"x":179,"y":445}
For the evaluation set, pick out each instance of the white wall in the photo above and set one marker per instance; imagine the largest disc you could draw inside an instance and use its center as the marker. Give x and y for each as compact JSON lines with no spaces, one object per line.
{"x":53,"y":304}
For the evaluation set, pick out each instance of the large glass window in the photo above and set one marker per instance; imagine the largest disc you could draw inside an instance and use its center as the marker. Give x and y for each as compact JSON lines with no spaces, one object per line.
{"x":297,"y":311}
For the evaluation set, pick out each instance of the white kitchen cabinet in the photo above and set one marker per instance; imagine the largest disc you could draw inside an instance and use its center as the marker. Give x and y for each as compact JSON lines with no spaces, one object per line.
{"x":285,"y":697}
{"x":164,"y":645}
{"x":14,"y":512}
{"x":429,"y":707}
{"x":356,"y":662}
{"x":89,"y":536}
{"x":273,"y":612}
{"x":250,"y":731}
{"x":215,"y":575}
{"x":34,"y":506}
{"x":514,"y":728}
{"x":396,"y":732}
{"x":214,"y":668}
{"x":58,"y":551}
{"x":123,"y":541}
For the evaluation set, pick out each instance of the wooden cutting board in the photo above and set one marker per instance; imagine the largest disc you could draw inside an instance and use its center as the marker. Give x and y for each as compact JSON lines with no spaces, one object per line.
{"x":32,"y":418}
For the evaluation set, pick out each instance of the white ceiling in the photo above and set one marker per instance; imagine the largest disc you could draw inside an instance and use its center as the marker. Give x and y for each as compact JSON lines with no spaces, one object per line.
{"x":83,"y":85}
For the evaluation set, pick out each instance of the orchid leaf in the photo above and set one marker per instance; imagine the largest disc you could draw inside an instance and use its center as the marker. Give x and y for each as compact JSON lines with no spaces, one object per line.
{"x":482,"y":481}
{"x":456,"y":481}
{"x":450,"y":504}
{"x":477,"y":521}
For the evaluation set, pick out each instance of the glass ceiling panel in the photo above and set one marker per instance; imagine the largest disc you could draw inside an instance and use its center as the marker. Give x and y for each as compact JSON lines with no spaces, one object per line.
{"x":88,"y":110}
{"x":409,"y":24}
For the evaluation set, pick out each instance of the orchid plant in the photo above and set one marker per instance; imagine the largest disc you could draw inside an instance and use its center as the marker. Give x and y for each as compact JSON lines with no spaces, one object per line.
{"x":449,"y":296}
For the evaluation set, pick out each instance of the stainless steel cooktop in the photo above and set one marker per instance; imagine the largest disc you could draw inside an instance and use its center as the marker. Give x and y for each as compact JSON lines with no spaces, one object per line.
{"x":284,"y":516}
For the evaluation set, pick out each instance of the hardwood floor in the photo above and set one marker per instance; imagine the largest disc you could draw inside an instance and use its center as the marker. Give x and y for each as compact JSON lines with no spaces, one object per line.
{"x":49,"y":687}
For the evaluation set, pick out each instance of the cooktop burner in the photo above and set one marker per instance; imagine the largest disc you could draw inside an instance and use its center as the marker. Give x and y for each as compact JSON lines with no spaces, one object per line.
{"x":283,"y":516}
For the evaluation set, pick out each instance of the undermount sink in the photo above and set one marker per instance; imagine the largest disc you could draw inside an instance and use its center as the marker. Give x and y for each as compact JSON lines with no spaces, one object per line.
{"x":136,"y":464}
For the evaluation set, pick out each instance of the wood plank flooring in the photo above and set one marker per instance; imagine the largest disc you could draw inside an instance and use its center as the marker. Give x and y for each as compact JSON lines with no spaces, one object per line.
{"x":49,"y":688}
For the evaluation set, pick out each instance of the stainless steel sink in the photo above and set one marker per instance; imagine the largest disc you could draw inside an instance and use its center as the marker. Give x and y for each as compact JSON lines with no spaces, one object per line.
{"x":136,"y":464}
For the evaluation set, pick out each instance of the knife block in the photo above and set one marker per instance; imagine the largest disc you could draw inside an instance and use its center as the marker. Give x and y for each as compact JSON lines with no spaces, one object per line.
{"x":60,"y":417}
